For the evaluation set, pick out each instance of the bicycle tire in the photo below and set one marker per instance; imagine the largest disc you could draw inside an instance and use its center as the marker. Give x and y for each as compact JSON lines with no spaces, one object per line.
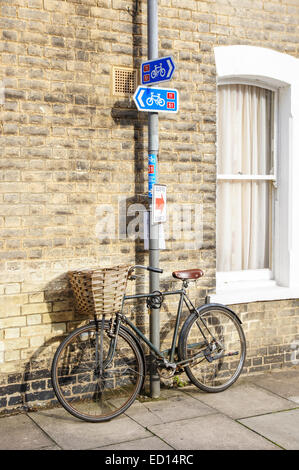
{"x":225,"y":326}
{"x":85,"y":392}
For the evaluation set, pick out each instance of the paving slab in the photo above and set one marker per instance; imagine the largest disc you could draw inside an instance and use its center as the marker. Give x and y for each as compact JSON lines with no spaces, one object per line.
{"x":284,"y":383}
{"x":19,"y":432}
{"x":70,"y":433}
{"x":212,"y":432}
{"x":176,"y":407}
{"x":141,"y":413}
{"x":281,"y":428}
{"x":244,"y":400}
{"x":149,"y":443}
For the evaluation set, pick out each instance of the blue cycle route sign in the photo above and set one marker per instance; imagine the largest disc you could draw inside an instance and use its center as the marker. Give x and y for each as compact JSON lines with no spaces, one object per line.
{"x":157,"y":70}
{"x":156,"y":99}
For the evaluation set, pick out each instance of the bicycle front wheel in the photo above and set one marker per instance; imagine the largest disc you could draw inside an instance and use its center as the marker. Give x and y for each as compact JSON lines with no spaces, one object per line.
{"x":96,"y":377}
{"x":215,"y":339}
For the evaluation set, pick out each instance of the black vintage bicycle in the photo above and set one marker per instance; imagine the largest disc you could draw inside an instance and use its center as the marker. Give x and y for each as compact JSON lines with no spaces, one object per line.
{"x":99,"y":369}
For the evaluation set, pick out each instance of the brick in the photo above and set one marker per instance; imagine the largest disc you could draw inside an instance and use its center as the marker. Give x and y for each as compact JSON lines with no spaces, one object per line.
{"x":11,"y":333}
{"x":33,"y":38}
{"x":37,"y":341}
{"x":36,"y":297}
{"x":33,"y":320}
{"x":35,"y":330}
{"x":35,"y":3}
{"x":11,"y":322}
{"x":55,"y":5}
{"x":36,"y":308}
{"x":12,"y":289}
{"x":11,"y":355}
{"x":10,"y":300}
{"x":274,"y":359}
{"x":16,"y":210}
{"x":15,"y":344}
{"x":26,"y":13}
{"x":12,"y":255}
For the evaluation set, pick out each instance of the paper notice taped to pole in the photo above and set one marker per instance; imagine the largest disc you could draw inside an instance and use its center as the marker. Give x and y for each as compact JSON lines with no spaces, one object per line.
{"x":146,"y":222}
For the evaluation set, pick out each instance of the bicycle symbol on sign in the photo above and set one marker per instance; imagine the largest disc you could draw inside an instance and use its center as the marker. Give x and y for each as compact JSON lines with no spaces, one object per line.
{"x":158,"y":70}
{"x":151,"y":159}
{"x":155,"y":99}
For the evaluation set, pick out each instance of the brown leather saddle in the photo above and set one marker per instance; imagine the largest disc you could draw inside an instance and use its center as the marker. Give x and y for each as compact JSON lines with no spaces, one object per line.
{"x":188,"y":274}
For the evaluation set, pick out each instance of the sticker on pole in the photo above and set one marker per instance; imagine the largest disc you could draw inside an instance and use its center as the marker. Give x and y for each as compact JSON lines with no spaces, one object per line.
{"x":157,"y":70}
{"x":156,"y":99}
{"x":159,"y":214}
{"x":152,"y":172}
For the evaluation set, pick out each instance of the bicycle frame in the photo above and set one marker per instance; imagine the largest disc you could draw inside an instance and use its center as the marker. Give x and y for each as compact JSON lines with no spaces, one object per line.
{"x":161,"y":354}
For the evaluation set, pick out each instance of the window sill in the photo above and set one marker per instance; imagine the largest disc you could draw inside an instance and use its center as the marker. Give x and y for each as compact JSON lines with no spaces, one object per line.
{"x":252,"y":291}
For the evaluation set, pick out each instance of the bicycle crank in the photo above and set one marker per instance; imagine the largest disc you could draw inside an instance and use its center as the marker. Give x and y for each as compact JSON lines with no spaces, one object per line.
{"x":166,"y":370}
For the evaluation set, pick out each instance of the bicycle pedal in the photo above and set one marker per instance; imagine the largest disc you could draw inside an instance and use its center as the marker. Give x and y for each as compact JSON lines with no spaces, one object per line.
{"x":209,"y":358}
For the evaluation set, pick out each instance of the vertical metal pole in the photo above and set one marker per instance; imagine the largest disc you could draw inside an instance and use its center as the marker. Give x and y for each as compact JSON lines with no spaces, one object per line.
{"x":153,"y":148}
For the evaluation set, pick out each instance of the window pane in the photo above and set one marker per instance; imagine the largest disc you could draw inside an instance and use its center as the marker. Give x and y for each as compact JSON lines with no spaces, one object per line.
{"x":243,"y":207}
{"x":242,"y":225}
{"x":244,"y":130}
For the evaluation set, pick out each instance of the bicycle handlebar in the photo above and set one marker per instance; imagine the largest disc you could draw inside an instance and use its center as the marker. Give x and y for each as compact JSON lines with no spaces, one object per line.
{"x":149,"y":268}
{"x":155,"y":270}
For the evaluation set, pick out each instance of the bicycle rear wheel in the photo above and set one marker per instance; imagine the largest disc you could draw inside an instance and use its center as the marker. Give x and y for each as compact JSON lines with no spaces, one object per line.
{"x":215,"y":335}
{"x":91,"y":381}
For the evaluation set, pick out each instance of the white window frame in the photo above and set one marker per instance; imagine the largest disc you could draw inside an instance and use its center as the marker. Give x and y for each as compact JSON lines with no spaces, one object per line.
{"x":280,"y":73}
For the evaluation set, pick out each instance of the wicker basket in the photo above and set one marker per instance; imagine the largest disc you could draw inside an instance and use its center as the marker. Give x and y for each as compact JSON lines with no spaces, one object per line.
{"x":99,"y":291}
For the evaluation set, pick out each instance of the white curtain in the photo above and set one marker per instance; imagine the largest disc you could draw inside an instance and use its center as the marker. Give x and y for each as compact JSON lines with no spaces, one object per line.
{"x":244,"y":147}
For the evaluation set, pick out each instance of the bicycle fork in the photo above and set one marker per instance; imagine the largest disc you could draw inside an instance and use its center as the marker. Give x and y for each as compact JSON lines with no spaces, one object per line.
{"x":102,"y":364}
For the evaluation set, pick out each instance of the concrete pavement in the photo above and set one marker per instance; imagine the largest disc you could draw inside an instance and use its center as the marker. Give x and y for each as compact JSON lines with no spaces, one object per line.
{"x":257,"y":413}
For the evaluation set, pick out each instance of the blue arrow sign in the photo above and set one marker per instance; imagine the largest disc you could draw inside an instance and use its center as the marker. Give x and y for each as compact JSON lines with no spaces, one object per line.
{"x":156,"y":99}
{"x":157,"y":70}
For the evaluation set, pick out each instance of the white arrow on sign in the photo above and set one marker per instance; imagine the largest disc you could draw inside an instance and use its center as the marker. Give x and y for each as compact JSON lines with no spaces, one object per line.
{"x":170,"y":68}
{"x":140,"y":97}
{"x":159,"y":214}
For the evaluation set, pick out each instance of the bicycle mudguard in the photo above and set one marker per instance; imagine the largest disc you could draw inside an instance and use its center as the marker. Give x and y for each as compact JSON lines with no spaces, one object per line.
{"x":197,"y":313}
{"x":138,"y":344}
{"x":198,"y":310}
{"x":131,"y":334}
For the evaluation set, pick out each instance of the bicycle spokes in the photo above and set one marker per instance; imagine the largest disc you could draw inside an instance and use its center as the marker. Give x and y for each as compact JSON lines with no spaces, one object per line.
{"x":215,"y":346}
{"x":97,"y":376}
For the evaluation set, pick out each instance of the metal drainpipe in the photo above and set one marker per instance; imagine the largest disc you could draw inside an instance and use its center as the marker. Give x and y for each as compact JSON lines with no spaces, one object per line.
{"x":153,"y":148}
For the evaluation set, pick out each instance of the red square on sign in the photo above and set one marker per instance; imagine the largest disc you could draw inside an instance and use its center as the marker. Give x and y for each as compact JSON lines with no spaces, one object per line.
{"x":170,"y":95}
{"x":146,"y":68}
{"x":146,"y":77}
{"x":170,"y":105}
{"x":151,"y":169}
